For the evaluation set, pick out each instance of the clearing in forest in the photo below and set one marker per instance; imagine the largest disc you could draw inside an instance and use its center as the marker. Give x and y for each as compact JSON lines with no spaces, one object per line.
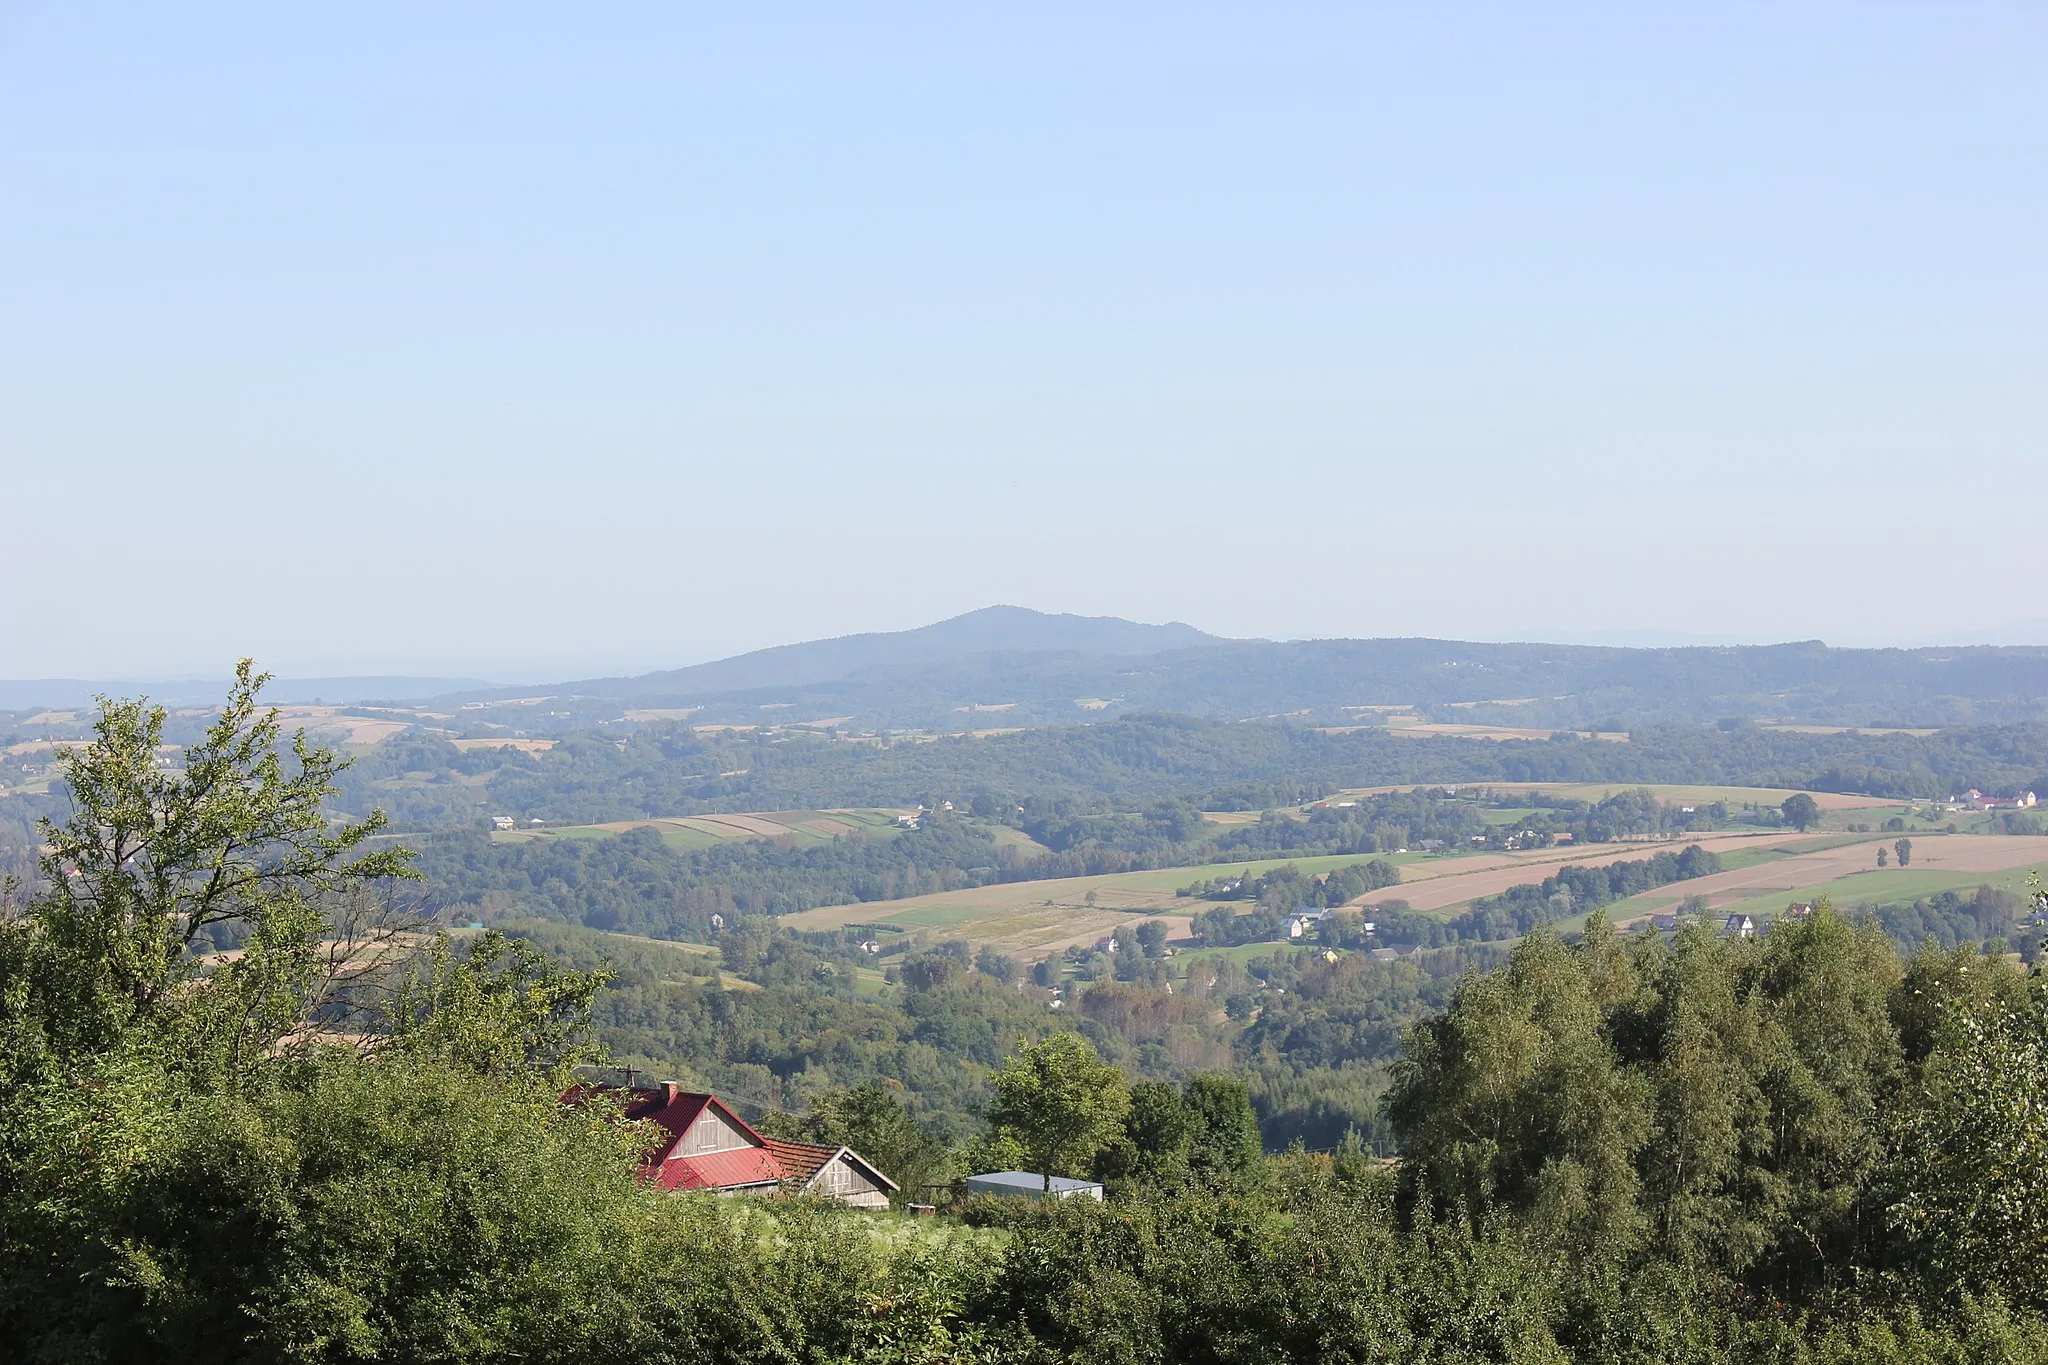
{"x":687,"y":832}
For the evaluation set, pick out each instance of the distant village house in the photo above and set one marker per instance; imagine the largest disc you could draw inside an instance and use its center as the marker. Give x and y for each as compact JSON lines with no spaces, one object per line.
{"x":1301,"y":921}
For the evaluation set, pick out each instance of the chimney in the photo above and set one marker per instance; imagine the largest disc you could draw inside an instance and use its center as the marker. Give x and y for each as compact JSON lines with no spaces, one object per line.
{"x":669,"y":1091}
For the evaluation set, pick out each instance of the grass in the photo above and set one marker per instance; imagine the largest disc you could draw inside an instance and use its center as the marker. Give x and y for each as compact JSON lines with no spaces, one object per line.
{"x":1022,"y":916}
{"x":1007,"y":837}
{"x":934,"y":917}
{"x":1820,"y":843}
{"x":1890,"y":886}
{"x":1737,"y":859}
{"x":1685,"y":794}
{"x":688,"y":833}
{"x":868,"y":983}
{"x":1244,"y":952}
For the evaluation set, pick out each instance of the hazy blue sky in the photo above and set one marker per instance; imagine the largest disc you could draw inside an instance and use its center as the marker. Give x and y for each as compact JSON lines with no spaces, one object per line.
{"x":541,"y":341}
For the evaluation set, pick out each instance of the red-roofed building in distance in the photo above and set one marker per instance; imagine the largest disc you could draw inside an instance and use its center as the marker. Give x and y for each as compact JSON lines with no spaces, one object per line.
{"x":706,"y":1146}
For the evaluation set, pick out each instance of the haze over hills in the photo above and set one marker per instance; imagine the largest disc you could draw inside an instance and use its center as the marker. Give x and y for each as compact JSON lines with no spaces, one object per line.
{"x":1007,"y":666}
{"x":990,"y":630}
{"x":1365,"y":681}
{"x":62,"y":693}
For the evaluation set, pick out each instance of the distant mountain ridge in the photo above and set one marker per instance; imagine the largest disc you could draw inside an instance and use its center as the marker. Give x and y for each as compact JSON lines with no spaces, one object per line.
{"x":990,"y":630}
{"x":1339,"y":682}
{"x":1005,"y":667}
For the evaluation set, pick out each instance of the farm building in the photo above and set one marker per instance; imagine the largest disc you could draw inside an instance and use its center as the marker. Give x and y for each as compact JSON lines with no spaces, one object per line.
{"x":706,"y":1146}
{"x":1301,"y":921}
{"x":1031,"y":1185}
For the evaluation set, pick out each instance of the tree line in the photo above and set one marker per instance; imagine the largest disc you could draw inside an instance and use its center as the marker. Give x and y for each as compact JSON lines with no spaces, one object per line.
{"x":668,"y":770}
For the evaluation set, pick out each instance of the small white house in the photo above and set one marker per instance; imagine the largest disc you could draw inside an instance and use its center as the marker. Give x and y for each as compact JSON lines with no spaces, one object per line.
{"x":1740,"y":926}
{"x":501,"y":822}
{"x":1030,"y":1185}
{"x":1301,"y":921}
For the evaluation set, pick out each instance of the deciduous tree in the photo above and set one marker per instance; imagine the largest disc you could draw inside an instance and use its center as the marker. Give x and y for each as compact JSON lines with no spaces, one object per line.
{"x":1801,"y":811}
{"x":1060,"y":1102}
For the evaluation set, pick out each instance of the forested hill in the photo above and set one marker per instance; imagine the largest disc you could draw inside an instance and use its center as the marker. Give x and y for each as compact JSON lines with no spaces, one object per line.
{"x":991,"y":630}
{"x":1007,"y":667}
{"x":674,"y":771}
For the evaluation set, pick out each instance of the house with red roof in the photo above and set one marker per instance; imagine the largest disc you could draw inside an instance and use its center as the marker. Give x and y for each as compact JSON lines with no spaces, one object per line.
{"x":706,"y":1146}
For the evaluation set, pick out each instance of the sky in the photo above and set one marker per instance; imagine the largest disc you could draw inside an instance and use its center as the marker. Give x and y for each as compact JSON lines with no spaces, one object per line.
{"x":537,"y":342}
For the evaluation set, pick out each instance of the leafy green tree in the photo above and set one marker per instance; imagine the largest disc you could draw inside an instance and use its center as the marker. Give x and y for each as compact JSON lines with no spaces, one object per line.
{"x":1801,"y":811}
{"x":931,"y":971}
{"x":1060,"y":1103}
{"x":1512,"y":1100}
{"x":1223,"y":1131}
{"x":499,"y":1007}
{"x":152,"y":862}
{"x":1883,"y":857}
{"x":1904,"y":848}
{"x":1153,"y":1147}
{"x":1969,"y":1167}
{"x":1152,"y":937}
{"x":995,"y":966}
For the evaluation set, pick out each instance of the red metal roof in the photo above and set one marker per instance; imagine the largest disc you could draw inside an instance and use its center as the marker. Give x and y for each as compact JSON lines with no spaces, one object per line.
{"x":719,"y":1170}
{"x":676,"y":1110}
{"x":769,"y":1161}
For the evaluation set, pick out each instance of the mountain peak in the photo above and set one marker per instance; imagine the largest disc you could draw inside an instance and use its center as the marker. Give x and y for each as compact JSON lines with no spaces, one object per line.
{"x":1000,"y":629}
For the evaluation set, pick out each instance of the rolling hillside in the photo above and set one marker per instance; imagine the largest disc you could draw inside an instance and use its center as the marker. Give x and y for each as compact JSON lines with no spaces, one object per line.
{"x":1006,"y":667}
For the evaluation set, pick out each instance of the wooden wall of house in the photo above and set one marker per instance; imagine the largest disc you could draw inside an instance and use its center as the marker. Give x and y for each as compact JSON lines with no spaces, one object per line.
{"x":843,"y":1181}
{"x":710,"y":1133}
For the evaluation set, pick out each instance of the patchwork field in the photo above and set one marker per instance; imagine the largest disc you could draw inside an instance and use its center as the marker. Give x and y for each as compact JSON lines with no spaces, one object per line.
{"x":1035,"y":917}
{"x":684,"y":833}
{"x":327,"y":725}
{"x":1489,"y":874}
{"x":1765,"y":870}
{"x":1848,"y":873}
{"x":1040,"y":916}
